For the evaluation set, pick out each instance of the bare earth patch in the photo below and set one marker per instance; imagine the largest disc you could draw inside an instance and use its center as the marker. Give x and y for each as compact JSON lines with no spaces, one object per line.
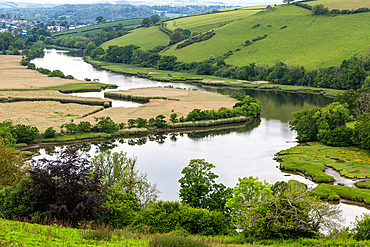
{"x":187,"y":101}
{"x":43,"y":114}
{"x":15,"y":76}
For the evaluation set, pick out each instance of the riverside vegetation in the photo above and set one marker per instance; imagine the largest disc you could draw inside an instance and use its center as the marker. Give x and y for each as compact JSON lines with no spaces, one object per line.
{"x":344,"y":125}
{"x":105,"y":127}
{"x":111,"y":203}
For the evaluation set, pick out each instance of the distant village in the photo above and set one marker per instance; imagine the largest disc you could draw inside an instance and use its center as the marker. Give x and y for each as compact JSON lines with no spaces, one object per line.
{"x":7,"y":24}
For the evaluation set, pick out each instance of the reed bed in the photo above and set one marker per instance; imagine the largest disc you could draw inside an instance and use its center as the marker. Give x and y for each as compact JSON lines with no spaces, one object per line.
{"x":45,"y":114}
{"x":50,"y":95}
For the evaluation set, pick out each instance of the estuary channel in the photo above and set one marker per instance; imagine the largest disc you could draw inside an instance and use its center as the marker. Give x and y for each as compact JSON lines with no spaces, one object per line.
{"x":237,"y":152}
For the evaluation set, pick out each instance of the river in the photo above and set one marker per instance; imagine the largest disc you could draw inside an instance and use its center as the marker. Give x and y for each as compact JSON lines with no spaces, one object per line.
{"x":239,"y":152}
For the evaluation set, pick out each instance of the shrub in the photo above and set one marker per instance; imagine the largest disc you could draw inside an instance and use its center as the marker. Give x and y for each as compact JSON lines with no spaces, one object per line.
{"x":18,"y":202}
{"x":175,"y":241}
{"x":361,"y":227}
{"x":164,"y":217}
{"x":122,"y":207}
{"x":56,"y":73}
{"x":49,"y":133}
{"x":69,"y":186}
{"x":24,"y":134}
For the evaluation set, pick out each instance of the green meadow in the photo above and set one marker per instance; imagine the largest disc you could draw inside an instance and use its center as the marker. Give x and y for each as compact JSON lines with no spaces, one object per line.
{"x":146,"y":38}
{"x":341,"y":4}
{"x":312,"y":160}
{"x":130,"y":23}
{"x":205,"y":22}
{"x":293,"y":36}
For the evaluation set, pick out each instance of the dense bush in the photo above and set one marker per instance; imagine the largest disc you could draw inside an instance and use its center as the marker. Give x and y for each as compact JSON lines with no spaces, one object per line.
{"x":361,"y":227}
{"x":248,"y":107}
{"x":122,"y":207}
{"x":68,"y":186}
{"x":50,"y":133}
{"x":164,"y":217}
{"x":24,"y":134}
{"x":56,"y":73}
{"x":19,"y":203}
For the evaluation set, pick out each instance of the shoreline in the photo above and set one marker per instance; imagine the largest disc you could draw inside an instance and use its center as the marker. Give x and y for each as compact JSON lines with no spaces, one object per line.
{"x":145,"y":132}
{"x":330,"y":93}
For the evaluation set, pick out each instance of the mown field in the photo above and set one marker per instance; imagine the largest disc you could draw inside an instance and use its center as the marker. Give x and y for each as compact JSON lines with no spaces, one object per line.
{"x":312,"y":160}
{"x":97,"y":28}
{"x":293,"y":36}
{"x":146,"y":38}
{"x":180,"y":101}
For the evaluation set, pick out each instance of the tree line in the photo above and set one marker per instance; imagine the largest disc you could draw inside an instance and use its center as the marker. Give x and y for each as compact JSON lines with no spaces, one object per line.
{"x":330,"y":123}
{"x":352,"y":73}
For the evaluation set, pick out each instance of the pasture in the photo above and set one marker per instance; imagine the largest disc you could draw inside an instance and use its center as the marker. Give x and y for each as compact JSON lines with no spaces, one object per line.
{"x":341,"y":4}
{"x":129,"y":23}
{"x":205,"y":22}
{"x":146,"y":38}
{"x":293,"y":36}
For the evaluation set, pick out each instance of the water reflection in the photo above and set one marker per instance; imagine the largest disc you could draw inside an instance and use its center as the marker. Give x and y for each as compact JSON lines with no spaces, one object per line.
{"x":236,"y":152}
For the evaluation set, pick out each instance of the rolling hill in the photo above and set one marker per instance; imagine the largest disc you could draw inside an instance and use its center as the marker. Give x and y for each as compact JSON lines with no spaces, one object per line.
{"x":289,"y":34}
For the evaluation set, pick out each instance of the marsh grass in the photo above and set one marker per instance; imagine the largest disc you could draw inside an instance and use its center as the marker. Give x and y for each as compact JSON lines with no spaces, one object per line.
{"x":335,"y":192}
{"x":312,"y":160}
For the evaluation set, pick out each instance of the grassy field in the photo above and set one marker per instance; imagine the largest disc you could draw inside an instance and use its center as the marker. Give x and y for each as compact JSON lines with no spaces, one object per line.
{"x":44,"y":114}
{"x":341,"y":4}
{"x":202,"y":23}
{"x":307,"y":40}
{"x":313,"y":159}
{"x":146,"y":38}
{"x":185,"y":102}
{"x":15,"y":233}
{"x":97,"y":28}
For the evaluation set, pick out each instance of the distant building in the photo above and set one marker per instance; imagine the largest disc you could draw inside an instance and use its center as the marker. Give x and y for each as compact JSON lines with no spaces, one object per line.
{"x":24,"y":32}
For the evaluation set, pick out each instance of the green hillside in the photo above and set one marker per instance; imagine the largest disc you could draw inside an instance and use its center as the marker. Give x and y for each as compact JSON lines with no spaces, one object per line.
{"x":307,"y":40}
{"x":341,"y":4}
{"x":205,"y":22}
{"x":146,"y":38}
{"x":130,"y":23}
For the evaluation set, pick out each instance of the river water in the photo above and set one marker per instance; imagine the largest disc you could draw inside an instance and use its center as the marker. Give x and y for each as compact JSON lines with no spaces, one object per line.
{"x":238,"y":152}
